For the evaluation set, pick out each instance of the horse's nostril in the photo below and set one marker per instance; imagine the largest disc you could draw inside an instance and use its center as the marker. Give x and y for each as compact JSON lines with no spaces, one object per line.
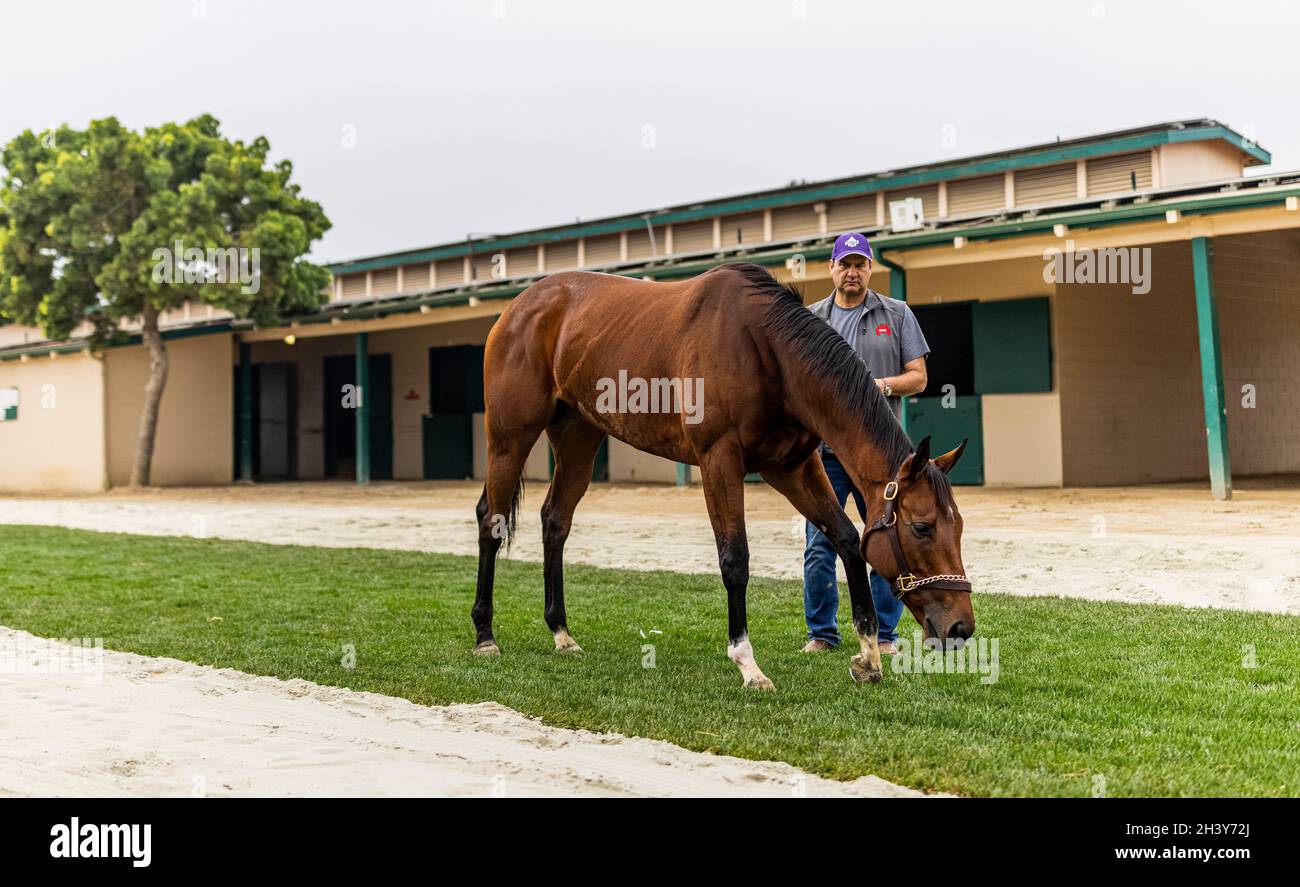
{"x":960,"y":629}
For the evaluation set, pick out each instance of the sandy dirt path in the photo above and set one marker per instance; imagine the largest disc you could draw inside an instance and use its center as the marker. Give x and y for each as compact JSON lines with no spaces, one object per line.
{"x":1170,"y":544}
{"x":161,"y":727}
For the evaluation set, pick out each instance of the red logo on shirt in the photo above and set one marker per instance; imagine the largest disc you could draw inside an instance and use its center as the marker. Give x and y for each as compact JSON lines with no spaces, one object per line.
{"x":882,"y":330}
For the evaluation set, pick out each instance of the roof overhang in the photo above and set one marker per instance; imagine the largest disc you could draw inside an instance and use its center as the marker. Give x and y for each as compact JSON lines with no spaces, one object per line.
{"x":1039,"y":155}
{"x":1243,"y":207}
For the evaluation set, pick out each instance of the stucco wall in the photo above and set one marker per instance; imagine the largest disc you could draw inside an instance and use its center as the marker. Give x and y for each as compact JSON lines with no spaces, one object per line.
{"x":195,"y":437}
{"x":1257,"y":286}
{"x":1185,"y":163}
{"x":57,"y":441}
{"x":1129,"y":373}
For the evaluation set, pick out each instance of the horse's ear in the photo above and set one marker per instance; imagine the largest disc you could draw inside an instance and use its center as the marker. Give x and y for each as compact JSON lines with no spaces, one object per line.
{"x":916,"y":463}
{"x":948,"y":460}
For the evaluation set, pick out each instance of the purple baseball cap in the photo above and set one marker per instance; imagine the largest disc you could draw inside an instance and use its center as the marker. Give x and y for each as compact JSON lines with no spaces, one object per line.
{"x":851,"y":244}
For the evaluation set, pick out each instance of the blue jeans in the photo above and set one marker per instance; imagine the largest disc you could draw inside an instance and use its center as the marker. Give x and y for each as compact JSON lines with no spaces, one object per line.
{"x":821,"y":596}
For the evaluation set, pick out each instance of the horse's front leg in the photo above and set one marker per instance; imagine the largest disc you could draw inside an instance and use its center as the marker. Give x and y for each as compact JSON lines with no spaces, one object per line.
{"x":810,"y":491}
{"x":722,"y":469}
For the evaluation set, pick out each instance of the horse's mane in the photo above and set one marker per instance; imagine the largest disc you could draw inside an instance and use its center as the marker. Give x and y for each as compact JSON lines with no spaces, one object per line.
{"x":826,"y":355}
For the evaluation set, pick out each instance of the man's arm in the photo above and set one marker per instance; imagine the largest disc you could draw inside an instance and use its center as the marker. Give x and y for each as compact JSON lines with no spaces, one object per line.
{"x":914,"y":350}
{"x":912,"y":380}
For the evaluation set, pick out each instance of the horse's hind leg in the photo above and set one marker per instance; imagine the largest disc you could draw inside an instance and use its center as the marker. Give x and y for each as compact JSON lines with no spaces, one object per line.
{"x":575,"y":442}
{"x":485,"y":643}
{"x":496,"y":516}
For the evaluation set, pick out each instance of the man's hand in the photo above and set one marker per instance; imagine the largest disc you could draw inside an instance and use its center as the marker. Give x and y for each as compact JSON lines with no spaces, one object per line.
{"x":912,"y":381}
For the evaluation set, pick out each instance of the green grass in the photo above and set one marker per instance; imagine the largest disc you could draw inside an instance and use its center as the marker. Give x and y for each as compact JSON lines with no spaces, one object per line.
{"x":1153,"y":699}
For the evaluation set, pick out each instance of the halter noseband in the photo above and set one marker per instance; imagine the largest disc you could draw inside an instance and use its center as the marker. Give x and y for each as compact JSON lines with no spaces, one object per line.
{"x":907,"y":581}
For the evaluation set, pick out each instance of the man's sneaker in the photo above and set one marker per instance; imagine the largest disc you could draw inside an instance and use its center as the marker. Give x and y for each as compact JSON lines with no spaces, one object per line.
{"x":817,"y":645}
{"x":888,"y":648}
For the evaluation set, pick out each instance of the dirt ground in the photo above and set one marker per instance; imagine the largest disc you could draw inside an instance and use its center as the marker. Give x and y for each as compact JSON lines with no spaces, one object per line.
{"x":1169,"y":543}
{"x":152,"y":726}
{"x":160,"y":727}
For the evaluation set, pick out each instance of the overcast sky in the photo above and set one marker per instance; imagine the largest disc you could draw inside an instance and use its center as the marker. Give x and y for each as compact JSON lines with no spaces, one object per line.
{"x":490,"y":116}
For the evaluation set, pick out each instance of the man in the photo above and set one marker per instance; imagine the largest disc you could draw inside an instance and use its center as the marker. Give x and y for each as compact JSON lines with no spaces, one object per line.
{"x":885,"y":335}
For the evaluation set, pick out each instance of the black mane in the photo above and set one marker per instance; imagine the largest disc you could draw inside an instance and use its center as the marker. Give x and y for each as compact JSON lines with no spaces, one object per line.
{"x":828,"y":356}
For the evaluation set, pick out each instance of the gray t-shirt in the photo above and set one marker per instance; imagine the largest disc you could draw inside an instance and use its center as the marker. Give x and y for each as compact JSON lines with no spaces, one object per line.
{"x":847,"y":322}
{"x":885,"y":337}
{"x":882,"y":331}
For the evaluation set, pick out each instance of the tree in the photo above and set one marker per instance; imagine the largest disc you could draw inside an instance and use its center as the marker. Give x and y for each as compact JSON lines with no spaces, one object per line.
{"x":112,"y":226}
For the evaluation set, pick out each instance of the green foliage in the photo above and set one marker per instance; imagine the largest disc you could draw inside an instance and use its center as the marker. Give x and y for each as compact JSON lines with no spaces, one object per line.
{"x":84,"y":212}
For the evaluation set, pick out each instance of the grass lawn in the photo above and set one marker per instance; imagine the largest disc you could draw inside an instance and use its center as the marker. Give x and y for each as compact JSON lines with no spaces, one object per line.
{"x":1145,"y":700}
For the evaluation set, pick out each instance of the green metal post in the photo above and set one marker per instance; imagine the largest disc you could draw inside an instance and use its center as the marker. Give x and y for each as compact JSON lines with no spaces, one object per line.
{"x":245,"y":413}
{"x":683,"y":474}
{"x":363,"y":409}
{"x":1207,"y":329}
{"x":897,"y":290}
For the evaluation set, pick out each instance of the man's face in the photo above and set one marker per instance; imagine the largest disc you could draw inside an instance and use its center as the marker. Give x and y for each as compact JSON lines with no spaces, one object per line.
{"x":851,"y":275}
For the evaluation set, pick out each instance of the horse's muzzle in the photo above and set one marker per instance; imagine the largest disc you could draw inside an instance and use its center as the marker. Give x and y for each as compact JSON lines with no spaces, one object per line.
{"x":960,"y":630}
{"x":947,"y":630}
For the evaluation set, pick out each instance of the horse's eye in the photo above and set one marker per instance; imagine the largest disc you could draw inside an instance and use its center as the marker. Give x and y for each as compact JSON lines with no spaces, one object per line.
{"x":922,"y":530}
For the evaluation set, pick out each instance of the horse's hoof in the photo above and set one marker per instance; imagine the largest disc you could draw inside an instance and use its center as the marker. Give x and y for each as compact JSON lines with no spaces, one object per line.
{"x":862,"y":672}
{"x":760,"y":683}
{"x":487,"y":648}
{"x":564,"y":643}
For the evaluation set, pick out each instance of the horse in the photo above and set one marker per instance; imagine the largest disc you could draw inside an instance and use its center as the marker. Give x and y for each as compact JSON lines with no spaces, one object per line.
{"x":773,"y":381}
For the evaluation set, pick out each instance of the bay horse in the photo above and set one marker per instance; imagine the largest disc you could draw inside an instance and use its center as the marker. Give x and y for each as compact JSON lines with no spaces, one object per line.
{"x":774,"y":381}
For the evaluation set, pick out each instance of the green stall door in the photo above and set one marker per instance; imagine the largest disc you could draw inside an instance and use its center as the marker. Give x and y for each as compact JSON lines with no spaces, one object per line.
{"x":455,"y":395}
{"x":1013,"y":346}
{"x":341,"y":420}
{"x":946,"y":427}
{"x":448,"y":446}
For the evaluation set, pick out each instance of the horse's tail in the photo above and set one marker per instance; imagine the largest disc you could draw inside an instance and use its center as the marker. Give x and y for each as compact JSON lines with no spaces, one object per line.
{"x":482,"y":511}
{"x":517,"y":498}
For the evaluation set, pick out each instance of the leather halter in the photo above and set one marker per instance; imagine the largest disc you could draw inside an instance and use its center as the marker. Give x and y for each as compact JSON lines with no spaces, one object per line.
{"x":907,"y":581}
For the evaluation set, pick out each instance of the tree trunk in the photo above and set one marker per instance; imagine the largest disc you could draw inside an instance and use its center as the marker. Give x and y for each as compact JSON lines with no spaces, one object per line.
{"x":153,"y":391}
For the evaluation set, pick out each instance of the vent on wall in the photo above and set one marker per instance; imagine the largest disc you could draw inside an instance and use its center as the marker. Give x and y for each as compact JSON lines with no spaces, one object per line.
{"x":852,"y":213}
{"x":1046,"y":185}
{"x":741,"y":229}
{"x":451,"y":272}
{"x":791,"y":222}
{"x":966,"y":196}
{"x":383,"y":281}
{"x":641,"y":246}
{"x":562,"y":256}
{"x":693,"y":237}
{"x":1125,"y":172}
{"x":522,"y":261}
{"x":354,"y":285}
{"x":602,"y":250}
{"x":415,"y":277}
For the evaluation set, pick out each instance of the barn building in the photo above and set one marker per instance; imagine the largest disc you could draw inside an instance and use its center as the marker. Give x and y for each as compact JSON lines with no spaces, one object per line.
{"x":1117,"y":309}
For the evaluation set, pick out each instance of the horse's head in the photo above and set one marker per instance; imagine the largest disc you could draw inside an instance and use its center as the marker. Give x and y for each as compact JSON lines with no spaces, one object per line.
{"x":917,"y":545}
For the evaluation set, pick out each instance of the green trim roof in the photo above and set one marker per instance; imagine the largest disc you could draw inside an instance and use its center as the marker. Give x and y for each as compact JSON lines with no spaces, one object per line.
{"x":1020,"y":158}
{"x":1100,"y":216}
{"x":72,"y":346}
{"x":1102,"y":213}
